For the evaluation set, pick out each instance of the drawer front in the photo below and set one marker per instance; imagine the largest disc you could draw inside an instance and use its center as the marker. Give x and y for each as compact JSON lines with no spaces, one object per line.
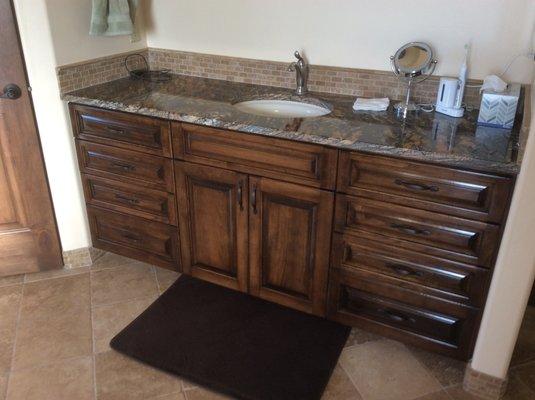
{"x":148,"y":241}
{"x":442,"y":278}
{"x":476,"y":242}
{"x":135,"y":132}
{"x":295,"y":162}
{"x":125,"y":165}
{"x":130,"y":199}
{"x":445,"y":190}
{"x":401,"y":314}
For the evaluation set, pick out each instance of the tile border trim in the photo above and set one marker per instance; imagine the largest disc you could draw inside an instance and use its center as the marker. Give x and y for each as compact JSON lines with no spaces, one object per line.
{"x":485,"y":386}
{"x":82,"y":257}
{"x":324,"y":79}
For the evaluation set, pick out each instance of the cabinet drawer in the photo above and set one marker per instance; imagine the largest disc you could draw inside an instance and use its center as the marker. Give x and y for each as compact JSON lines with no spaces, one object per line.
{"x":401,"y":314}
{"x":130,"y":199}
{"x":475,"y":242}
{"x":295,"y":162}
{"x":134,"y":237}
{"x":446,"y":190}
{"x":135,"y":132}
{"x":451,"y":280}
{"x":125,"y":165}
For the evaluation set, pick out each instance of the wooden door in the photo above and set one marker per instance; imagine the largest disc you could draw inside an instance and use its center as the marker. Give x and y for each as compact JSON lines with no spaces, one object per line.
{"x":28,"y":235}
{"x":289,"y":242}
{"x":212,"y":209}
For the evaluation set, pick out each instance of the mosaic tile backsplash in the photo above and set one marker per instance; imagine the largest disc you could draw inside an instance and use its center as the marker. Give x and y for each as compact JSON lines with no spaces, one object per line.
{"x":346,"y":81}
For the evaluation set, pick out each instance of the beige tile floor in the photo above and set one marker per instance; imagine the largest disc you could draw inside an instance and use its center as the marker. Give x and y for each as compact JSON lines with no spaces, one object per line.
{"x":55,"y":328}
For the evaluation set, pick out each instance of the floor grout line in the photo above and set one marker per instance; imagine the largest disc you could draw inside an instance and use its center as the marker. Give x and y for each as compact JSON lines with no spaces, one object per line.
{"x":349,"y":377}
{"x":113,"y":303}
{"x":93,"y":347}
{"x":157,"y":280}
{"x":86,"y":270}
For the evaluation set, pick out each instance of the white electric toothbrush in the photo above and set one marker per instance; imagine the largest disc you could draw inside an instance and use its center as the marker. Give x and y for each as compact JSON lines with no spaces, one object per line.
{"x":463,"y":74}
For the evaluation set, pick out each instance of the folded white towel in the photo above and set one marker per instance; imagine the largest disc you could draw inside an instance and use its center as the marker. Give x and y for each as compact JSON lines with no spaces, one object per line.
{"x":362,"y":104}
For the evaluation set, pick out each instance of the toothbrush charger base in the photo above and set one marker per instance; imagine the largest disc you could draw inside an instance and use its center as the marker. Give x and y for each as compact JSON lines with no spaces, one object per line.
{"x":452,"y":112}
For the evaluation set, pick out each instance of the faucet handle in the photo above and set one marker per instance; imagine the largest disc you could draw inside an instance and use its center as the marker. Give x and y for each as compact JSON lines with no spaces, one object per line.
{"x":298,"y":56}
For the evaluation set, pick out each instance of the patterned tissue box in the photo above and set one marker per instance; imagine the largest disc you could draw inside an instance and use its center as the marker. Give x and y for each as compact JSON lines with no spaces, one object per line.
{"x":499,"y":109}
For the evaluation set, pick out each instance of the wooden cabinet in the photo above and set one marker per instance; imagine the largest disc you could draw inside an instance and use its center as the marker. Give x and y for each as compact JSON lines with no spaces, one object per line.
{"x":128,"y":131}
{"x":212,"y":207}
{"x":289,"y":239}
{"x":384,"y":307}
{"x":440,"y":189}
{"x":457,"y":238}
{"x":302,"y":163}
{"x":134,"y":237}
{"x":413,"y":244}
{"x":255,"y":234}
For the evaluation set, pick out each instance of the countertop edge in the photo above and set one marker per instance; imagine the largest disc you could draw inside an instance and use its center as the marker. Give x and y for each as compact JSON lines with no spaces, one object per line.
{"x":414,"y":155}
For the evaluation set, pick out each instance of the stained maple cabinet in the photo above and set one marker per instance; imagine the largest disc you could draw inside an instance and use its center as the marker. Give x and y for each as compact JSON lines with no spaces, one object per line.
{"x":212,"y":208}
{"x":402,"y":248}
{"x":289,"y":242}
{"x":255,"y":234}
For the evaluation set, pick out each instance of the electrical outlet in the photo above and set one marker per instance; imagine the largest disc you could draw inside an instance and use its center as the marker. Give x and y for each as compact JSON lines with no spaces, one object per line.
{"x":134,"y":37}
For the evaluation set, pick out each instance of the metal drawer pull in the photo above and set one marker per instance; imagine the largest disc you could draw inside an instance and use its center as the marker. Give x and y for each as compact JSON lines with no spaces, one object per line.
{"x":416,"y":186}
{"x":116,"y":131}
{"x":401,"y":270}
{"x":131,"y":237}
{"x":395,"y":316}
{"x":130,"y":200}
{"x":124,"y":167}
{"x":253,"y":199}
{"x":240,"y":195}
{"x":410,"y":229}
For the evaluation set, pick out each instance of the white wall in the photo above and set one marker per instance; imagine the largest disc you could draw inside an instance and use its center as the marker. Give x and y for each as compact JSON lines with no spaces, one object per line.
{"x":350,"y":33}
{"x":51,"y":38}
{"x":513,"y":273}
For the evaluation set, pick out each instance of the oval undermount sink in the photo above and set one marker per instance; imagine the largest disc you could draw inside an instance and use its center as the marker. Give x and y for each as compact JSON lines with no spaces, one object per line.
{"x":282,"y":108}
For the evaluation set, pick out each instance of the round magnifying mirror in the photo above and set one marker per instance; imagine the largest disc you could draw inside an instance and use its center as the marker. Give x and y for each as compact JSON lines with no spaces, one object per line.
{"x":412,"y":59}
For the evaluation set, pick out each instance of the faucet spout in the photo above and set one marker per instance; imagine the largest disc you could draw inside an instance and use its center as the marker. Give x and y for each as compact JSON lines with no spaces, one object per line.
{"x":301,"y":74}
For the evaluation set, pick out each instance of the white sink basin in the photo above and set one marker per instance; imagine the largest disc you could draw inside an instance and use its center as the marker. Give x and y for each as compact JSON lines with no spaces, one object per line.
{"x":282,"y":108}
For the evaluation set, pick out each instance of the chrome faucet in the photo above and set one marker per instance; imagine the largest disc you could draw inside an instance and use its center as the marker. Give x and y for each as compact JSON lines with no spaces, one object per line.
{"x":301,"y":74}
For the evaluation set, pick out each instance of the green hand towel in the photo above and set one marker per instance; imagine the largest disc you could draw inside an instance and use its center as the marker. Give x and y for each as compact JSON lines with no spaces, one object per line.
{"x":113,"y":17}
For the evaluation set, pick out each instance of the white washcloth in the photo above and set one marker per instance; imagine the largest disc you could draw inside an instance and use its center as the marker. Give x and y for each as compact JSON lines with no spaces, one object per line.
{"x":362,"y":104}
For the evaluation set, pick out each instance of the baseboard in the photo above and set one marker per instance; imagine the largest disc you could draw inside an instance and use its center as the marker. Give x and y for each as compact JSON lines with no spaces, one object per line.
{"x":83,"y":257}
{"x":482,"y":385}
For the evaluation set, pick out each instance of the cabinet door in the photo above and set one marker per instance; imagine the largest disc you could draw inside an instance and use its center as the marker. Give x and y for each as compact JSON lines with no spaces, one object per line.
{"x":212,"y":208}
{"x":289,"y":242}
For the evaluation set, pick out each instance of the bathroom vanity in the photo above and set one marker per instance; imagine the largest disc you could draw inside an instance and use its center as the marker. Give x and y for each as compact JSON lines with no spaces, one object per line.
{"x":392,"y":226}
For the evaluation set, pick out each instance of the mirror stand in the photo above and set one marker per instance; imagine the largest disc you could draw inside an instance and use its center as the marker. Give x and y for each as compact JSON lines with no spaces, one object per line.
{"x":412,"y":63}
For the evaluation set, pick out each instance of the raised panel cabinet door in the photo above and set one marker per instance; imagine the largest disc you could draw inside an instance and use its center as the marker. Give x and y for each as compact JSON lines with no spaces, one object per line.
{"x":289,"y":242}
{"x":212,"y":209}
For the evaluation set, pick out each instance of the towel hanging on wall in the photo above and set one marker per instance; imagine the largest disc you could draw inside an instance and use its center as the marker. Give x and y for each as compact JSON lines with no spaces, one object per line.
{"x":113,"y":17}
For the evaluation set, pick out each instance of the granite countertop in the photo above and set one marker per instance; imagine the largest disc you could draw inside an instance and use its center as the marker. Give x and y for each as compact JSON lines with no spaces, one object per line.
{"x":429,"y":137}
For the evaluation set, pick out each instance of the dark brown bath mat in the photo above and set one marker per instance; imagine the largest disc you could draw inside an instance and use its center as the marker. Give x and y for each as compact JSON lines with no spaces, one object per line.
{"x":234,"y":343}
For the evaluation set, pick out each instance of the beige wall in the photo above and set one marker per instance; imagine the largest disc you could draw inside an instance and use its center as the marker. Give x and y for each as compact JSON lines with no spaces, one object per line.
{"x":54,"y":32}
{"x":69,"y":23}
{"x":513,"y":273}
{"x":350,"y":33}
